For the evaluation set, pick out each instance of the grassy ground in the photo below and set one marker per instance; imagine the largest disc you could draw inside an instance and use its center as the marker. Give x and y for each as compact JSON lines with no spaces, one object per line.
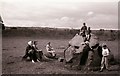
{"x":14,"y":48}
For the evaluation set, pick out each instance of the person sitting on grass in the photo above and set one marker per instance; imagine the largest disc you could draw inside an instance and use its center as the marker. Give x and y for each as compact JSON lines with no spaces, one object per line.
{"x":105,"y":54}
{"x":32,"y":52}
{"x":50,"y":50}
{"x":38,"y":53}
{"x":29,"y":51}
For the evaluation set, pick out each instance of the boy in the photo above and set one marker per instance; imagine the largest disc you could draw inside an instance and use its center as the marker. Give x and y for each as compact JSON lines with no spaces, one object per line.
{"x":105,"y":54}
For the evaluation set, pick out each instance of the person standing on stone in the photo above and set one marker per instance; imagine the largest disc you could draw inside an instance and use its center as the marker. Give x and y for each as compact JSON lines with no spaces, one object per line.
{"x":84,"y":27}
{"x":88,"y":35}
{"x":83,"y":31}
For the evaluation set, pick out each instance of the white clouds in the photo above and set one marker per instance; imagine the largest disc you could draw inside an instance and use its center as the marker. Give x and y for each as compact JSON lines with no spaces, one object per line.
{"x":60,"y":1}
{"x":90,"y":13}
{"x":104,"y":21}
{"x":64,"y":19}
{"x":67,"y":19}
{"x":58,"y":13}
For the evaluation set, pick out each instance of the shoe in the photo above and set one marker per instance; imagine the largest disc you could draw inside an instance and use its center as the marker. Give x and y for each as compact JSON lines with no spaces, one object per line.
{"x":38,"y":60}
{"x":101,"y":70}
{"x":33,"y":61}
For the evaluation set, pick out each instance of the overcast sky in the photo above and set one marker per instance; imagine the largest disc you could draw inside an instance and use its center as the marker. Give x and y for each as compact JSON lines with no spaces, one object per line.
{"x":60,"y":13}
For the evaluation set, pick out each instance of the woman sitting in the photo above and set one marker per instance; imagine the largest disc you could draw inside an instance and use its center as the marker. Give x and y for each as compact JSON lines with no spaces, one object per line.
{"x":29,"y":51}
{"x":50,"y":51}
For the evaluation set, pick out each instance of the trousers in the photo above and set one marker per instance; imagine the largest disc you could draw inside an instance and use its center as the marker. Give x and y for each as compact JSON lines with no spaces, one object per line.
{"x":104,"y":62}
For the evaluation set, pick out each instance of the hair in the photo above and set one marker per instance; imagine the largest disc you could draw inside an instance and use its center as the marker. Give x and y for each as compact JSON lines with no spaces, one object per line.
{"x":83,"y":23}
{"x":104,"y":45}
{"x":34,"y":42}
{"x":89,"y":28}
{"x":48,"y":42}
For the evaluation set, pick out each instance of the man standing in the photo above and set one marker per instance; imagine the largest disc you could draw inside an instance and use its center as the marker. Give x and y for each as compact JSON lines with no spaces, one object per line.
{"x":85,"y":53}
{"x":84,"y":27}
{"x":83,"y":31}
{"x":89,"y":58}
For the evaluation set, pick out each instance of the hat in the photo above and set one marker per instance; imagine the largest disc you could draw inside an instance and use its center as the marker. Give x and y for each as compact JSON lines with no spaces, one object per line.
{"x":29,"y":42}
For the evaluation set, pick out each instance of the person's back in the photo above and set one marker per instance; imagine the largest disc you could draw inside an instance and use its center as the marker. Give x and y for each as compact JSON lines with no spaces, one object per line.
{"x":86,"y":50}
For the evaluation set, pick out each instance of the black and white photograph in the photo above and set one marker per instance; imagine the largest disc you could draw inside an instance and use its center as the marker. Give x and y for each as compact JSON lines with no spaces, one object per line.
{"x":75,"y":37}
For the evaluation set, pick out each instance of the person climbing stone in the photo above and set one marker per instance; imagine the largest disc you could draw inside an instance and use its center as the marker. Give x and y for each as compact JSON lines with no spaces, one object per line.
{"x":86,"y":50}
{"x":90,"y":57}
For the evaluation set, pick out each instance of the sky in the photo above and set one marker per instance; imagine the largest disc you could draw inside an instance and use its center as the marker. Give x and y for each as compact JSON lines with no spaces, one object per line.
{"x":60,"y":13}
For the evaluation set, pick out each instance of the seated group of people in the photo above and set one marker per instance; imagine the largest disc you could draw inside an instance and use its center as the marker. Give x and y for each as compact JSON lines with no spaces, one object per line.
{"x":35,"y":54}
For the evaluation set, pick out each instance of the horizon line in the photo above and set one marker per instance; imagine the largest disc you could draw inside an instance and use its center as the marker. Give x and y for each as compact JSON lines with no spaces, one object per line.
{"x":56,"y":27}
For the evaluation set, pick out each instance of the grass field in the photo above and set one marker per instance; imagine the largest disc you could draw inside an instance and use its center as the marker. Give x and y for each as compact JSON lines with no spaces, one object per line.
{"x":13,"y":49}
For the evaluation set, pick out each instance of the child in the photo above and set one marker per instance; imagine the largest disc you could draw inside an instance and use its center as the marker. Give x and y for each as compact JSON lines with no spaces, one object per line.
{"x":105,"y":54}
{"x":88,"y":36}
